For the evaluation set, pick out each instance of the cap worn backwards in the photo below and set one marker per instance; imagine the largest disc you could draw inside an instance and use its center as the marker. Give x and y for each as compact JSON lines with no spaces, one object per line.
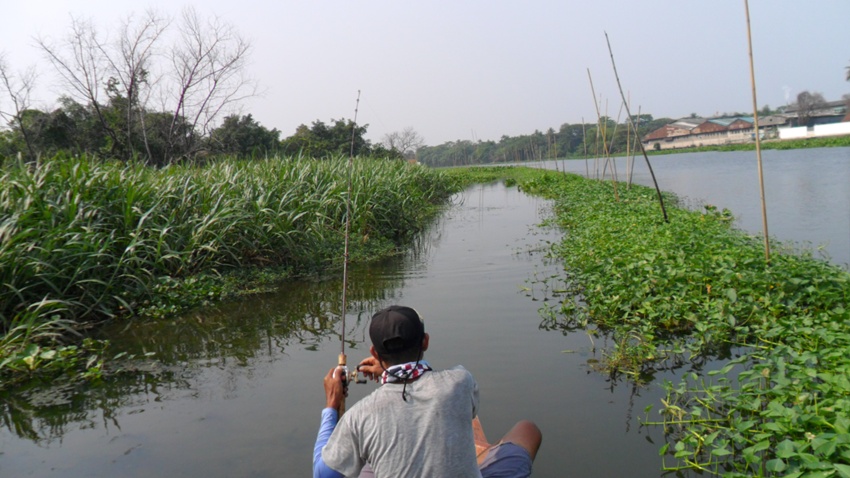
{"x":396,"y":329}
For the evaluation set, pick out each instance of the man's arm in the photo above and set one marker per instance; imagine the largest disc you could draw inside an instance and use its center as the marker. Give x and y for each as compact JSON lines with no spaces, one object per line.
{"x":334,"y":395}
{"x":330,"y":416}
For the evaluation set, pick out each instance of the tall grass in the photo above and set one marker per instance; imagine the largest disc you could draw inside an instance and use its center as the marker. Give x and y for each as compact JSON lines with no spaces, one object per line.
{"x":95,"y":239}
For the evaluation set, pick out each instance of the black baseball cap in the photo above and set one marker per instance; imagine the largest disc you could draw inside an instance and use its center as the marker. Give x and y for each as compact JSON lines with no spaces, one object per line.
{"x":396,"y":329}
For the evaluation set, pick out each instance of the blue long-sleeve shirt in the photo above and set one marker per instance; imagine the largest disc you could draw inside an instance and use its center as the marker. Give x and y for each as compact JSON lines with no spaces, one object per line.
{"x":330,"y":417}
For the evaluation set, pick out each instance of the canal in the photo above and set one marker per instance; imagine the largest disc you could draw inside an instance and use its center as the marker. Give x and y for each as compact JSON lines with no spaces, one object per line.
{"x":236,"y":390}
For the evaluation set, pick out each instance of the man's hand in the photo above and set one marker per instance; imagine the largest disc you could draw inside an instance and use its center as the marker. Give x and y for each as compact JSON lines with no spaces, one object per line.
{"x":371,"y":368}
{"x":336,"y":389}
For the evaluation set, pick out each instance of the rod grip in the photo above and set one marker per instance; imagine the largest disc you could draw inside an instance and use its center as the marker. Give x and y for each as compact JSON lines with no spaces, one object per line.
{"x":342,"y":362}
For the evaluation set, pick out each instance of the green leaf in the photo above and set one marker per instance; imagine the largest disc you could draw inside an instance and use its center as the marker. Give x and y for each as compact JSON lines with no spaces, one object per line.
{"x":842,"y":424}
{"x":760,"y":446}
{"x":732,"y":295}
{"x":824,"y":445}
{"x":776,"y":465}
{"x":786,"y":449}
{"x":31,"y":350}
{"x":820,"y":474}
{"x":843,"y":470}
{"x":774,"y":426}
{"x":745,"y":425}
{"x":720,"y":452}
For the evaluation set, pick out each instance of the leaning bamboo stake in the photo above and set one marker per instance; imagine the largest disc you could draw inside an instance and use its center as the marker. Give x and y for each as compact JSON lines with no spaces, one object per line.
{"x":634,"y":151}
{"x":611,"y":147}
{"x":758,"y":139}
{"x":604,"y":140}
{"x":629,"y":114}
{"x":584,"y":142}
{"x":629,"y":148}
{"x":596,"y":146}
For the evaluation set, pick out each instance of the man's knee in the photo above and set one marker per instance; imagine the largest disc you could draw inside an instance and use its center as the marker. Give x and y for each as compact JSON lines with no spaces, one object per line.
{"x":527,"y":435}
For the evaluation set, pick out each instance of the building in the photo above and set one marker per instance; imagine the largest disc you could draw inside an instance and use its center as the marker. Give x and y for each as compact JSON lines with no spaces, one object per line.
{"x":696,"y":132}
{"x":831,"y":119}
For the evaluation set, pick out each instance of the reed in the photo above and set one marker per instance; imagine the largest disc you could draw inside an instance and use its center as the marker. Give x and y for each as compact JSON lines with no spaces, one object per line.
{"x":98,"y":239}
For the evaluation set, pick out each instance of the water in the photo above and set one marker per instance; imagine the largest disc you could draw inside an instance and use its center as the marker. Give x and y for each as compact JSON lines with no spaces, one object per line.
{"x":807,"y":191}
{"x":237,"y":391}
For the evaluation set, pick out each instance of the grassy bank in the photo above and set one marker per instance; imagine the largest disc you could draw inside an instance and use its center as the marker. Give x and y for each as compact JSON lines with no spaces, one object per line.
{"x":83,"y":239}
{"x":695,"y":289}
{"x":826,"y":142}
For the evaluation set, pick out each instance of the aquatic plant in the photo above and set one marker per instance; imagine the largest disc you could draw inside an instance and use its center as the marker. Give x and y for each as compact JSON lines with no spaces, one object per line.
{"x":694,"y":290}
{"x":97,"y":239}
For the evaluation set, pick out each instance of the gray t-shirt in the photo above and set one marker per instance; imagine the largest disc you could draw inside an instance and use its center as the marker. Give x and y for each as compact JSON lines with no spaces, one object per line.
{"x":430,"y":434}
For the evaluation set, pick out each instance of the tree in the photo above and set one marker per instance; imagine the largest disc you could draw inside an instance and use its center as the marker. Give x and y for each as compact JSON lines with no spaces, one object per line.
{"x":119,"y":80}
{"x":807,"y":105}
{"x":642,"y":119}
{"x":405,"y":142}
{"x":208,"y":73}
{"x":321,"y":140}
{"x":243,"y":136}
{"x":81,"y":126}
{"x":380,"y":151}
{"x":131,"y":63}
{"x":80,"y":62}
{"x":18,"y":90}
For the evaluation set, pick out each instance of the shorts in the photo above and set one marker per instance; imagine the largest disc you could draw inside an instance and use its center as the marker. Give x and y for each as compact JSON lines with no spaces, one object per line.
{"x":506,"y":460}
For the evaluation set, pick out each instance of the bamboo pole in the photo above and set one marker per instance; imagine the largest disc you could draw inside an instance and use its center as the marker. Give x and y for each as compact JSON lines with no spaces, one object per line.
{"x":642,"y":149}
{"x":634,"y":151}
{"x":595,"y":105}
{"x":604,"y":139}
{"x":758,"y":138}
{"x":613,"y":137}
{"x":629,"y":148}
{"x":584,"y":142}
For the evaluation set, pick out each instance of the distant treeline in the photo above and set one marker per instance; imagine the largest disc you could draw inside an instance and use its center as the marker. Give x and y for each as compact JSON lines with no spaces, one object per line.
{"x":571,"y":140}
{"x":76,"y":130}
{"x":132,"y":91}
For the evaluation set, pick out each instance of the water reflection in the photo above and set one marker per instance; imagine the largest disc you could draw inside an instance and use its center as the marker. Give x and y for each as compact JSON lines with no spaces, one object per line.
{"x":43,"y":414}
{"x":170,"y":357}
{"x":236,"y":390}
{"x":231,"y":337}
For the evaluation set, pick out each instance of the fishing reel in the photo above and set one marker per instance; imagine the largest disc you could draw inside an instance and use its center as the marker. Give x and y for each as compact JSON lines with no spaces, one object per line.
{"x":350,"y":376}
{"x":355,"y":376}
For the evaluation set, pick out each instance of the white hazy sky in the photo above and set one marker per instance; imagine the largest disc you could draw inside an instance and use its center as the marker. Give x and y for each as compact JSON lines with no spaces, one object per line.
{"x":479,"y":69}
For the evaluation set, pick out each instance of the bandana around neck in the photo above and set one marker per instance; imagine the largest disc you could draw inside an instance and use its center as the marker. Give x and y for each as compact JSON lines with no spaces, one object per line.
{"x":404,"y":371}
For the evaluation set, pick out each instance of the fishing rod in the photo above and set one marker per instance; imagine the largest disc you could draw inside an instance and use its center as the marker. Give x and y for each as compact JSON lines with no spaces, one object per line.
{"x":342,"y":360}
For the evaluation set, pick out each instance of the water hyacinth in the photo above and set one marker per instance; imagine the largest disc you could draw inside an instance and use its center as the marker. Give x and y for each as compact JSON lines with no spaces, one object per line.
{"x":695,"y":289}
